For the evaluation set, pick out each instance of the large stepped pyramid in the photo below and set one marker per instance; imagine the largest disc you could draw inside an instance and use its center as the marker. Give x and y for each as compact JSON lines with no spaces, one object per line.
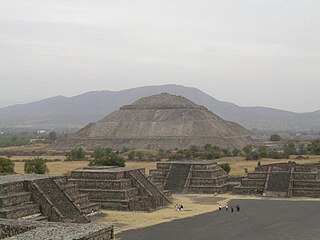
{"x":160,"y":121}
{"x":117,"y":188}
{"x":43,"y":198}
{"x":190,"y":177}
{"x":282,"y":180}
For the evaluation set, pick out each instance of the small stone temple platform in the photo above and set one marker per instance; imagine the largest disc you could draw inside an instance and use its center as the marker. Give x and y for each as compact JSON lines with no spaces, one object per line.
{"x":43,"y":198}
{"x":120,"y":188}
{"x":190,"y":177}
{"x":282,"y":180}
{"x":23,"y":230}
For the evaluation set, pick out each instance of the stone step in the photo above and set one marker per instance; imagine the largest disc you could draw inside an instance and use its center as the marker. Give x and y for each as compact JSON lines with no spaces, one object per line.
{"x":10,"y":188}
{"x":14,"y":199}
{"x":18,"y":211}
{"x":36,"y":217}
{"x":90,"y":207}
{"x":110,"y":194}
{"x":81,"y":198}
{"x":113,"y":204}
{"x":100,"y":184}
{"x":70,"y":189}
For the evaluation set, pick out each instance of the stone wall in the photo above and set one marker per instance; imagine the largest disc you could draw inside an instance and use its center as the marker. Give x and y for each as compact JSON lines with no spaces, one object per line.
{"x":21,"y":230}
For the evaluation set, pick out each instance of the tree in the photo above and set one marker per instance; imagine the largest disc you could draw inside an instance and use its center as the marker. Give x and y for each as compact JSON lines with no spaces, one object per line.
{"x":290,"y":149}
{"x":225,"y":166}
{"x":111,"y":159}
{"x":52,"y":136}
{"x":236,"y":152}
{"x":275,"y":138}
{"x":100,"y":152}
{"x":247,"y":149}
{"x":264,"y":151}
{"x":6,"y":165}
{"x":140,"y":155}
{"x":76,"y":154}
{"x":314,"y":147}
{"x":37,"y":166}
{"x":131,"y":155}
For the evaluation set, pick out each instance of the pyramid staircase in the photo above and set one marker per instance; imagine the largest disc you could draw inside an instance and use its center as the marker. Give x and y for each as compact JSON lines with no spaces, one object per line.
{"x":122,"y":189}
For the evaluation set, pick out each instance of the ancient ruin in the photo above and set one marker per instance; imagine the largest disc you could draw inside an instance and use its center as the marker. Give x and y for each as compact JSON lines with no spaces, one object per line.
{"x":119,"y":188}
{"x":43,"y":198}
{"x":22,"y":230}
{"x":190,"y":177}
{"x":160,"y":121}
{"x":282,"y":180}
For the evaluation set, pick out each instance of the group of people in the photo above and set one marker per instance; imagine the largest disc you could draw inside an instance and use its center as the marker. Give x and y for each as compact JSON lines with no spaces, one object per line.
{"x":232,"y":208}
{"x":179,"y":207}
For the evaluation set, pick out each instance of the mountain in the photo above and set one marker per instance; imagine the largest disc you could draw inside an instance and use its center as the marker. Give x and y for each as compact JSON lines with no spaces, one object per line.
{"x":160,"y":121}
{"x":77,"y":111}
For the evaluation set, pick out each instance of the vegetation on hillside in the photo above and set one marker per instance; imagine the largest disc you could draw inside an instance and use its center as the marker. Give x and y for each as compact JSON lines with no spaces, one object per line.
{"x":6,"y":165}
{"x":36,"y":166}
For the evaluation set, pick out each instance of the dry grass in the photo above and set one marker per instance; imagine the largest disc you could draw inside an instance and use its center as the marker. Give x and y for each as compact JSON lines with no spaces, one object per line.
{"x":56,"y":168}
{"x":193,"y":205}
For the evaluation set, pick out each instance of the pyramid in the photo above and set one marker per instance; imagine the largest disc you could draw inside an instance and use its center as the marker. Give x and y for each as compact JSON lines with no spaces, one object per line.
{"x":160,"y":121}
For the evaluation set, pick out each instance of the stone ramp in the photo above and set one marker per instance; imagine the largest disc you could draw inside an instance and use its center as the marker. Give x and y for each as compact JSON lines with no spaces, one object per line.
{"x":278,"y":183}
{"x":177,"y":177}
{"x":55,"y":194}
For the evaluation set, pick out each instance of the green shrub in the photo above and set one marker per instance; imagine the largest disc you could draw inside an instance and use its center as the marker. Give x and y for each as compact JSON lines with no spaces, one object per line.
{"x":275,"y":138}
{"x":6,"y":165}
{"x":37,"y":166}
{"x":111,"y":159}
{"x":225,"y":166}
{"x":131,"y":155}
{"x":76,"y":154}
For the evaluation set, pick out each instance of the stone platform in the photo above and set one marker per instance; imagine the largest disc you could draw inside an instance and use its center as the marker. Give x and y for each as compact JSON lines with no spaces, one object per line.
{"x":22,"y":230}
{"x":190,"y":177}
{"x":282,"y":180}
{"x":43,"y":198}
{"x":118,"y":188}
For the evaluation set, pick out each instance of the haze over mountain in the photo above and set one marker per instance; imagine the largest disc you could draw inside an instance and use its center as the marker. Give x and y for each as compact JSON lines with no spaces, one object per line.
{"x":76,"y":112}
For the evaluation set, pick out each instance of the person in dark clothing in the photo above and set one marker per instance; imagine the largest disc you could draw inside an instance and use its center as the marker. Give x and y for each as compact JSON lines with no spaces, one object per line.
{"x":227,"y":207}
{"x":231,"y":208}
{"x":220,"y":208}
{"x":238,"y":208}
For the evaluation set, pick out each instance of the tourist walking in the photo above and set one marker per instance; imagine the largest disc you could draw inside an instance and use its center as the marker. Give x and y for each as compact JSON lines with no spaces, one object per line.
{"x":232,"y":209}
{"x":227,"y":207}
{"x":220,"y":208}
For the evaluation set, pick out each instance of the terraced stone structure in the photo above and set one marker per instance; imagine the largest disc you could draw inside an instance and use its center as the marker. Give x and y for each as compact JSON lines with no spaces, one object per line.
{"x":282,"y":180}
{"x":118,"y":188}
{"x":43,"y":198}
{"x":190,"y":177}
{"x":23,"y":230}
{"x":160,"y":121}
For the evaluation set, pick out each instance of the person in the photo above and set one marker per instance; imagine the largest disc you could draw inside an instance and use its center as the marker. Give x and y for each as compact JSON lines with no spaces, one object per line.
{"x":231,"y":208}
{"x":220,"y":207}
{"x":181,"y":207}
{"x":227,"y":207}
{"x":238,"y":208}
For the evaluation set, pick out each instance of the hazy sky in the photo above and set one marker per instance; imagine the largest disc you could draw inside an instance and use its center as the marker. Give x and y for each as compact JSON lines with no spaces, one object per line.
{"x":250,"y":52}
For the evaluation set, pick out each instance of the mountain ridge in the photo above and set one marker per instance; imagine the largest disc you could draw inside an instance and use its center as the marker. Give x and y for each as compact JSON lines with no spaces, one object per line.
{"x":79,"y":110}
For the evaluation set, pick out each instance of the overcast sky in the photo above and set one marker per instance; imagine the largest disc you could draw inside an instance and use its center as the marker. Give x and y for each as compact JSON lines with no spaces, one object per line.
{"x":250,"y":52}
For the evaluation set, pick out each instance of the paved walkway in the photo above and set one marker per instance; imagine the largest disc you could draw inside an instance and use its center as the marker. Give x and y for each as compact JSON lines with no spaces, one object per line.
{"x":258,"y":220}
